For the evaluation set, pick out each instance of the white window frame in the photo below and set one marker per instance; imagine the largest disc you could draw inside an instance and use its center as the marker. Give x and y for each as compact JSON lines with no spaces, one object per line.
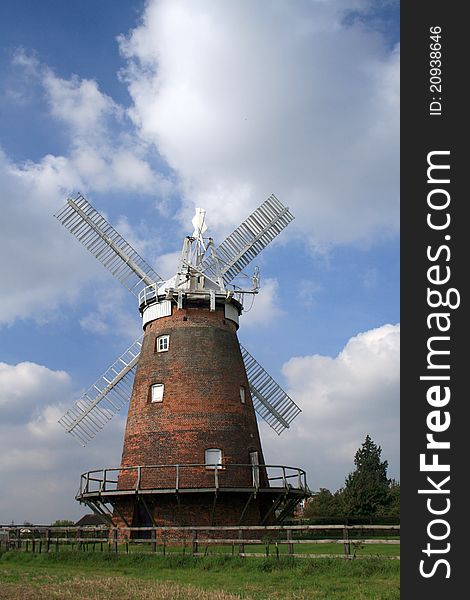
{"x":242,"y":394}
{"x":156,"y":393}
{"x":163,"y":343}
{"x":213,"y":464}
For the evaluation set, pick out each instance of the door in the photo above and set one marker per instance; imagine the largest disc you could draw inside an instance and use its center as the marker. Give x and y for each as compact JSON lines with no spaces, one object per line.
{"x":254,"y":460}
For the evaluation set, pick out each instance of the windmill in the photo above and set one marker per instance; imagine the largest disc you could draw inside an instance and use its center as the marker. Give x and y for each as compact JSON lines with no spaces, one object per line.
{"x":192,"y":452}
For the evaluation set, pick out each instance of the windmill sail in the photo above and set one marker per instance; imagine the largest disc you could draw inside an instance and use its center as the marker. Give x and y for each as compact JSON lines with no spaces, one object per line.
{"x":105,"y":243}
{"x":104,"y":398}
{"x":269,"y":400}
{"x":249,"y":238}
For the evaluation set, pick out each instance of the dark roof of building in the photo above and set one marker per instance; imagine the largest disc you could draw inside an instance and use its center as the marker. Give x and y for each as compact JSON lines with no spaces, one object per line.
{"x":91,"y":520}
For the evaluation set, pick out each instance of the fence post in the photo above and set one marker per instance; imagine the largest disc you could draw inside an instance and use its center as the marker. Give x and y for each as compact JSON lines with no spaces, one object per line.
{"x":194,"y":542}
{"x":115,"y":539}
{"x":347,"y":544}
{"x":290,"y":545}
{"x":241,"y":545}
{"x":48,"y":539}
{"x":153,"y":536}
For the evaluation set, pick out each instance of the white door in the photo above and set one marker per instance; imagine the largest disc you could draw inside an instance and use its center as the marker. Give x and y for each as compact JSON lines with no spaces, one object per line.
{"x":255,"y":468}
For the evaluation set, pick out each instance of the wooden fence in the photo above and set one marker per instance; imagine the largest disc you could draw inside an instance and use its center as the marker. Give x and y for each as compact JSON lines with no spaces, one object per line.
{"x":256,"y":541}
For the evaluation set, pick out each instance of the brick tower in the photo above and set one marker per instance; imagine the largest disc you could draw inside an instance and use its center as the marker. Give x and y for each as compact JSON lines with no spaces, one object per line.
{"x":191,"y":406}
{"x":192,"y":452}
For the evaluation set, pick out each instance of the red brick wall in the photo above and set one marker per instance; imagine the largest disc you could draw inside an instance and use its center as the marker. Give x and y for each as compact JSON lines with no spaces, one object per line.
{"x":202,"y":372}
{"x":191,"y":510}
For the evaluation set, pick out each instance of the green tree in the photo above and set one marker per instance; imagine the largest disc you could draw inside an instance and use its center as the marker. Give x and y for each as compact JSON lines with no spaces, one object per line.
{"x":392,"y":509}
{"x":367,"y":488}
{"x":63,"y":523}
{"x":325,"y":504}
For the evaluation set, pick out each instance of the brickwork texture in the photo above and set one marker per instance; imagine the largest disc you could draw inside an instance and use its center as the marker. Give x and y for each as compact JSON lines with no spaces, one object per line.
{"x":202,"y":372}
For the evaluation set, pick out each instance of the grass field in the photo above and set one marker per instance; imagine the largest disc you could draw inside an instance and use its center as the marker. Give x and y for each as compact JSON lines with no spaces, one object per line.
{"x":97,"y":576}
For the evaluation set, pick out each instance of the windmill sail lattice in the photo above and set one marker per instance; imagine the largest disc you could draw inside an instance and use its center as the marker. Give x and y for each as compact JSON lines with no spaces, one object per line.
{"x":104,"y":398}
{"x":105,"y":243}
{"x":249,"y":238}
{"x":269,"y":400}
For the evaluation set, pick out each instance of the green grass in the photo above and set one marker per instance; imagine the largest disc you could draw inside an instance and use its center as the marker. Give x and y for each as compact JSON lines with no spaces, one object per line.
{"x":175,"y":576}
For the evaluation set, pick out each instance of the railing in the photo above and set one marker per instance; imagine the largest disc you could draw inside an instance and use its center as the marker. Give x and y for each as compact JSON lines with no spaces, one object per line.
{"x":302,"y":541}
{"x":192,"y":476}
{"x":148,"y":294}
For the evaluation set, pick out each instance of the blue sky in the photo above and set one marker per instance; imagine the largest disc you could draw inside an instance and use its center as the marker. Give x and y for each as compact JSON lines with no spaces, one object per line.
{"x":153,"y":108}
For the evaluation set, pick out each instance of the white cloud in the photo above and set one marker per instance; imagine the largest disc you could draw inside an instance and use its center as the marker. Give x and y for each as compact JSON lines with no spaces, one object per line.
{"x":79,"y":103}
{"x":342,"y":400}
{"x":308,"y":291}
{"x":26,"y":387}
{"x":264,"y":308}
{"x":243,"y":101}
{"x":113,"y":315}
{"x":168,"y":264}
{"x":42,"y":464}
{"x":105,"y":156}
{"x":103,"y":150}
{"x":43,"y":267}
{"x":298,"y":103}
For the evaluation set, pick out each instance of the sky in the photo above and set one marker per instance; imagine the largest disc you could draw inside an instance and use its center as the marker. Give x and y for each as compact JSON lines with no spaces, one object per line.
{"x":151,"y":109}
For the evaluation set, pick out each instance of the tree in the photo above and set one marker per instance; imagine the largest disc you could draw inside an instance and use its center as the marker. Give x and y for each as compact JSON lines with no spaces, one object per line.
{"x":367,"y":488}
{"x":62,"y":523}
{"x":392,"y":509}
{"x":325,"y":504}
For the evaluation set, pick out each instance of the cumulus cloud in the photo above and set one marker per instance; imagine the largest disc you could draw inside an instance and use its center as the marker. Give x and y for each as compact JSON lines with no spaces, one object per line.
{"x":41,"y":267}
{"x":343,"y":399}
{"x":102,"y":151}
{"x":242,"y":101}
{"x":263,"y":308}
{"x":41,"y":464}
{"x":113,"y":315}
{"x":45,"y":268}
{"x":79,"y":103}
{"x":26,"y":387}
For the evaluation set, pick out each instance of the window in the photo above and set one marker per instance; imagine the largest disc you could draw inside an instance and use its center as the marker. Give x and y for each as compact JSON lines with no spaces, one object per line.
{"x":156,"y":392}
{"x":213,"y":458}
{"x":242,"y":394}
{"x":163,"y":343}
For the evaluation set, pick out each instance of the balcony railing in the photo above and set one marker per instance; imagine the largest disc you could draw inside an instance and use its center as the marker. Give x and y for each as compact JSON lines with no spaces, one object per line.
{"x":192,"y":476}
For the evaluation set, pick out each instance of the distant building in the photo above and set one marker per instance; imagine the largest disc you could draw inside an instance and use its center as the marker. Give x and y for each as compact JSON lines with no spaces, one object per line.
{"x":91,"y":520}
